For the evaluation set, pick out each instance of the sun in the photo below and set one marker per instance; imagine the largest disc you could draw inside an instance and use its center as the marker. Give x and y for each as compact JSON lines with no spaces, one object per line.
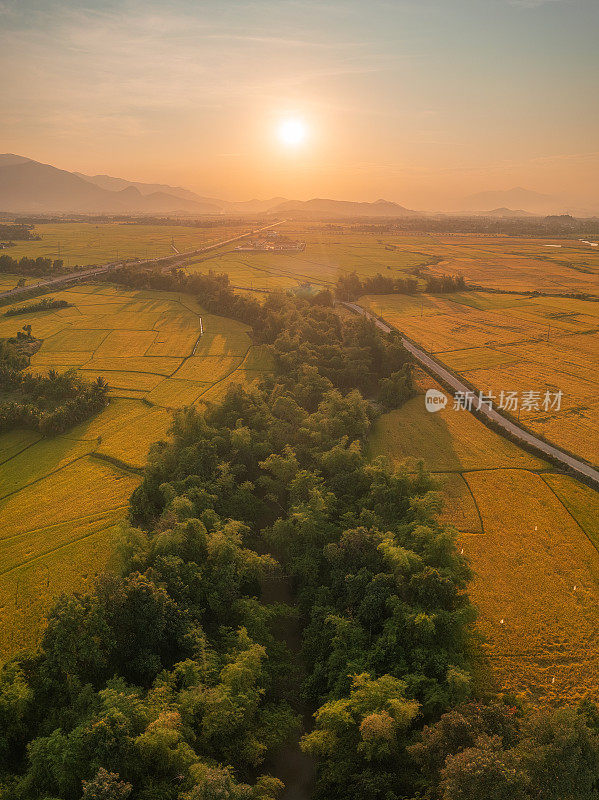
{"x":292,"y":132}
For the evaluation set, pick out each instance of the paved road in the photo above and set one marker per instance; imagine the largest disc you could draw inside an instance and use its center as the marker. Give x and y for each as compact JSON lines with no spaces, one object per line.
{"x":71,"y":277}
{"x":580,"y":467}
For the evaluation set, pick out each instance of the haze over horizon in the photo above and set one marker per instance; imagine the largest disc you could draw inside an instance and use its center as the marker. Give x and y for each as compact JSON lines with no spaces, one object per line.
{"x":417,"y":102}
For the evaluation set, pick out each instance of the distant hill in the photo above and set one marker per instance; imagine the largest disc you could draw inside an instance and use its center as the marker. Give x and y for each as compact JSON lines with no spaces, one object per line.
{"x":253,"y":206}
{"x":332,"y":209}
{"x":508,"y":213}
{"x":518,"y":198}
{"x":212,"y":205}
{"x":30,"y":187}
{"x":112,"y":184}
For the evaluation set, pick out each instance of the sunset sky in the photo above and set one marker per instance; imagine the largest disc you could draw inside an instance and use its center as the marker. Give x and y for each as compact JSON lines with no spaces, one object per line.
{"x":418,"y":101}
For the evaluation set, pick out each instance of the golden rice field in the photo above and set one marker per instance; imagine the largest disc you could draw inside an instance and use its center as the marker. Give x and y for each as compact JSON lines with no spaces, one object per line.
{"x":327,"y":256}
{"x":8,"y":281}
{"x":528,"y":531}
{"x":520,"y":263}
{"x":514,"y":343}
{"x":86,"y":243}
{"x":500,"y":262}
{"x":62,"y":499}
{"x":529,"y":534}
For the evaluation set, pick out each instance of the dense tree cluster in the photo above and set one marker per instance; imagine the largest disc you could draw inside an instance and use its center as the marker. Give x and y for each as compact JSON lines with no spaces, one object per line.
{"x":17,"y":232}
{"x":30,"y":266}
{"x":495,"y":752}
{"x":49,"y":404}
{"x":169,"y":682}
{"x":350,"y":286}
{"x":45,"y":304}
{"x":442,"y":284}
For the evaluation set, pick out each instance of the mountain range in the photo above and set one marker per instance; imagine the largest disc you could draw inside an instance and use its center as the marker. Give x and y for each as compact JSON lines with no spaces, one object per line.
{"x":510,"y":200}
{"x":31,"y":187}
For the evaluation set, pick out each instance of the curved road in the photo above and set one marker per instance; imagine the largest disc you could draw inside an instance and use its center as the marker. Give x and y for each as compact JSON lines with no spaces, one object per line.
{"x":583,"y":469}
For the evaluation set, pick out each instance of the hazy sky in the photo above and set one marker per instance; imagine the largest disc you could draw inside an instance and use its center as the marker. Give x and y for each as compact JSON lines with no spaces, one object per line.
{"x":418,"y":101}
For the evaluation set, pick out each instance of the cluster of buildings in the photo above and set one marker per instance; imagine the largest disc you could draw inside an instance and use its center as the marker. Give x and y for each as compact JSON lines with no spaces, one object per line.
{"x":272,"y":243}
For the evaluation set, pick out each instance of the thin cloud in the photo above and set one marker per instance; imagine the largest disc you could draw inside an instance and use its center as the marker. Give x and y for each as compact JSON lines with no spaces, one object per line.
{"x":532,"y":3}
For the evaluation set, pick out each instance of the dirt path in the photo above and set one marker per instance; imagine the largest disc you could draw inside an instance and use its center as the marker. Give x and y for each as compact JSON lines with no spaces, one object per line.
{"x":291,"y":765}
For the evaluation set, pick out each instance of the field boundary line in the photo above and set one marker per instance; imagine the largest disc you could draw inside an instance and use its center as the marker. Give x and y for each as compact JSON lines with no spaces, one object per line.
{"x":567,"y":510}
{"x":228,"y":375}
{"x":476,"y":506}
{"x":90,"y":454}
{"x":116,"y":462}
{"x":27,"y":446}
{"x":43,"y":477}
{"x":468,"y":470}
{"x":99,"y":515}
{"x":58,"y":547}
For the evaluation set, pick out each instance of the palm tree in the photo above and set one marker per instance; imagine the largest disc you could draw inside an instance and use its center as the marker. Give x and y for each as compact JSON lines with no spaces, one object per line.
{"x":100,"y":386}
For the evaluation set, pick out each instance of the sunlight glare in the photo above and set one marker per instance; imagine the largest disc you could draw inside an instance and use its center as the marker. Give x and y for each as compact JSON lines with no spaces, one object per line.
{"x":292,"y":132}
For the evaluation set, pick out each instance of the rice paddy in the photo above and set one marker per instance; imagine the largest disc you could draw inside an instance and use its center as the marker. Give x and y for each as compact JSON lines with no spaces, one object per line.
{"x":85,"y":243}
{"x":523,"y":344}
{"x":531,"y":536}
{"x":62,"y":499}
{"x":498,"y":262}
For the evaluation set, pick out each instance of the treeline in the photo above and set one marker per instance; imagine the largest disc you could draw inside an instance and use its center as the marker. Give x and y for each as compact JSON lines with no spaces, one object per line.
{"x":441,"y":284}
{"x":213,"y":290}
{"x":17,"y":232}
{"x":49,"y":404}
{"x":213,"y":222}
{"x":351,"y":287}
{"x":550,"y":226}
{"x":46,"y":304}
{"x":30,"y":266}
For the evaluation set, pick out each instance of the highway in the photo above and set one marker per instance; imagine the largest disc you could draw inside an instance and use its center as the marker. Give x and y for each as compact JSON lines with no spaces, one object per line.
{"x":581,"y":468}
{"x":71,"y":277}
